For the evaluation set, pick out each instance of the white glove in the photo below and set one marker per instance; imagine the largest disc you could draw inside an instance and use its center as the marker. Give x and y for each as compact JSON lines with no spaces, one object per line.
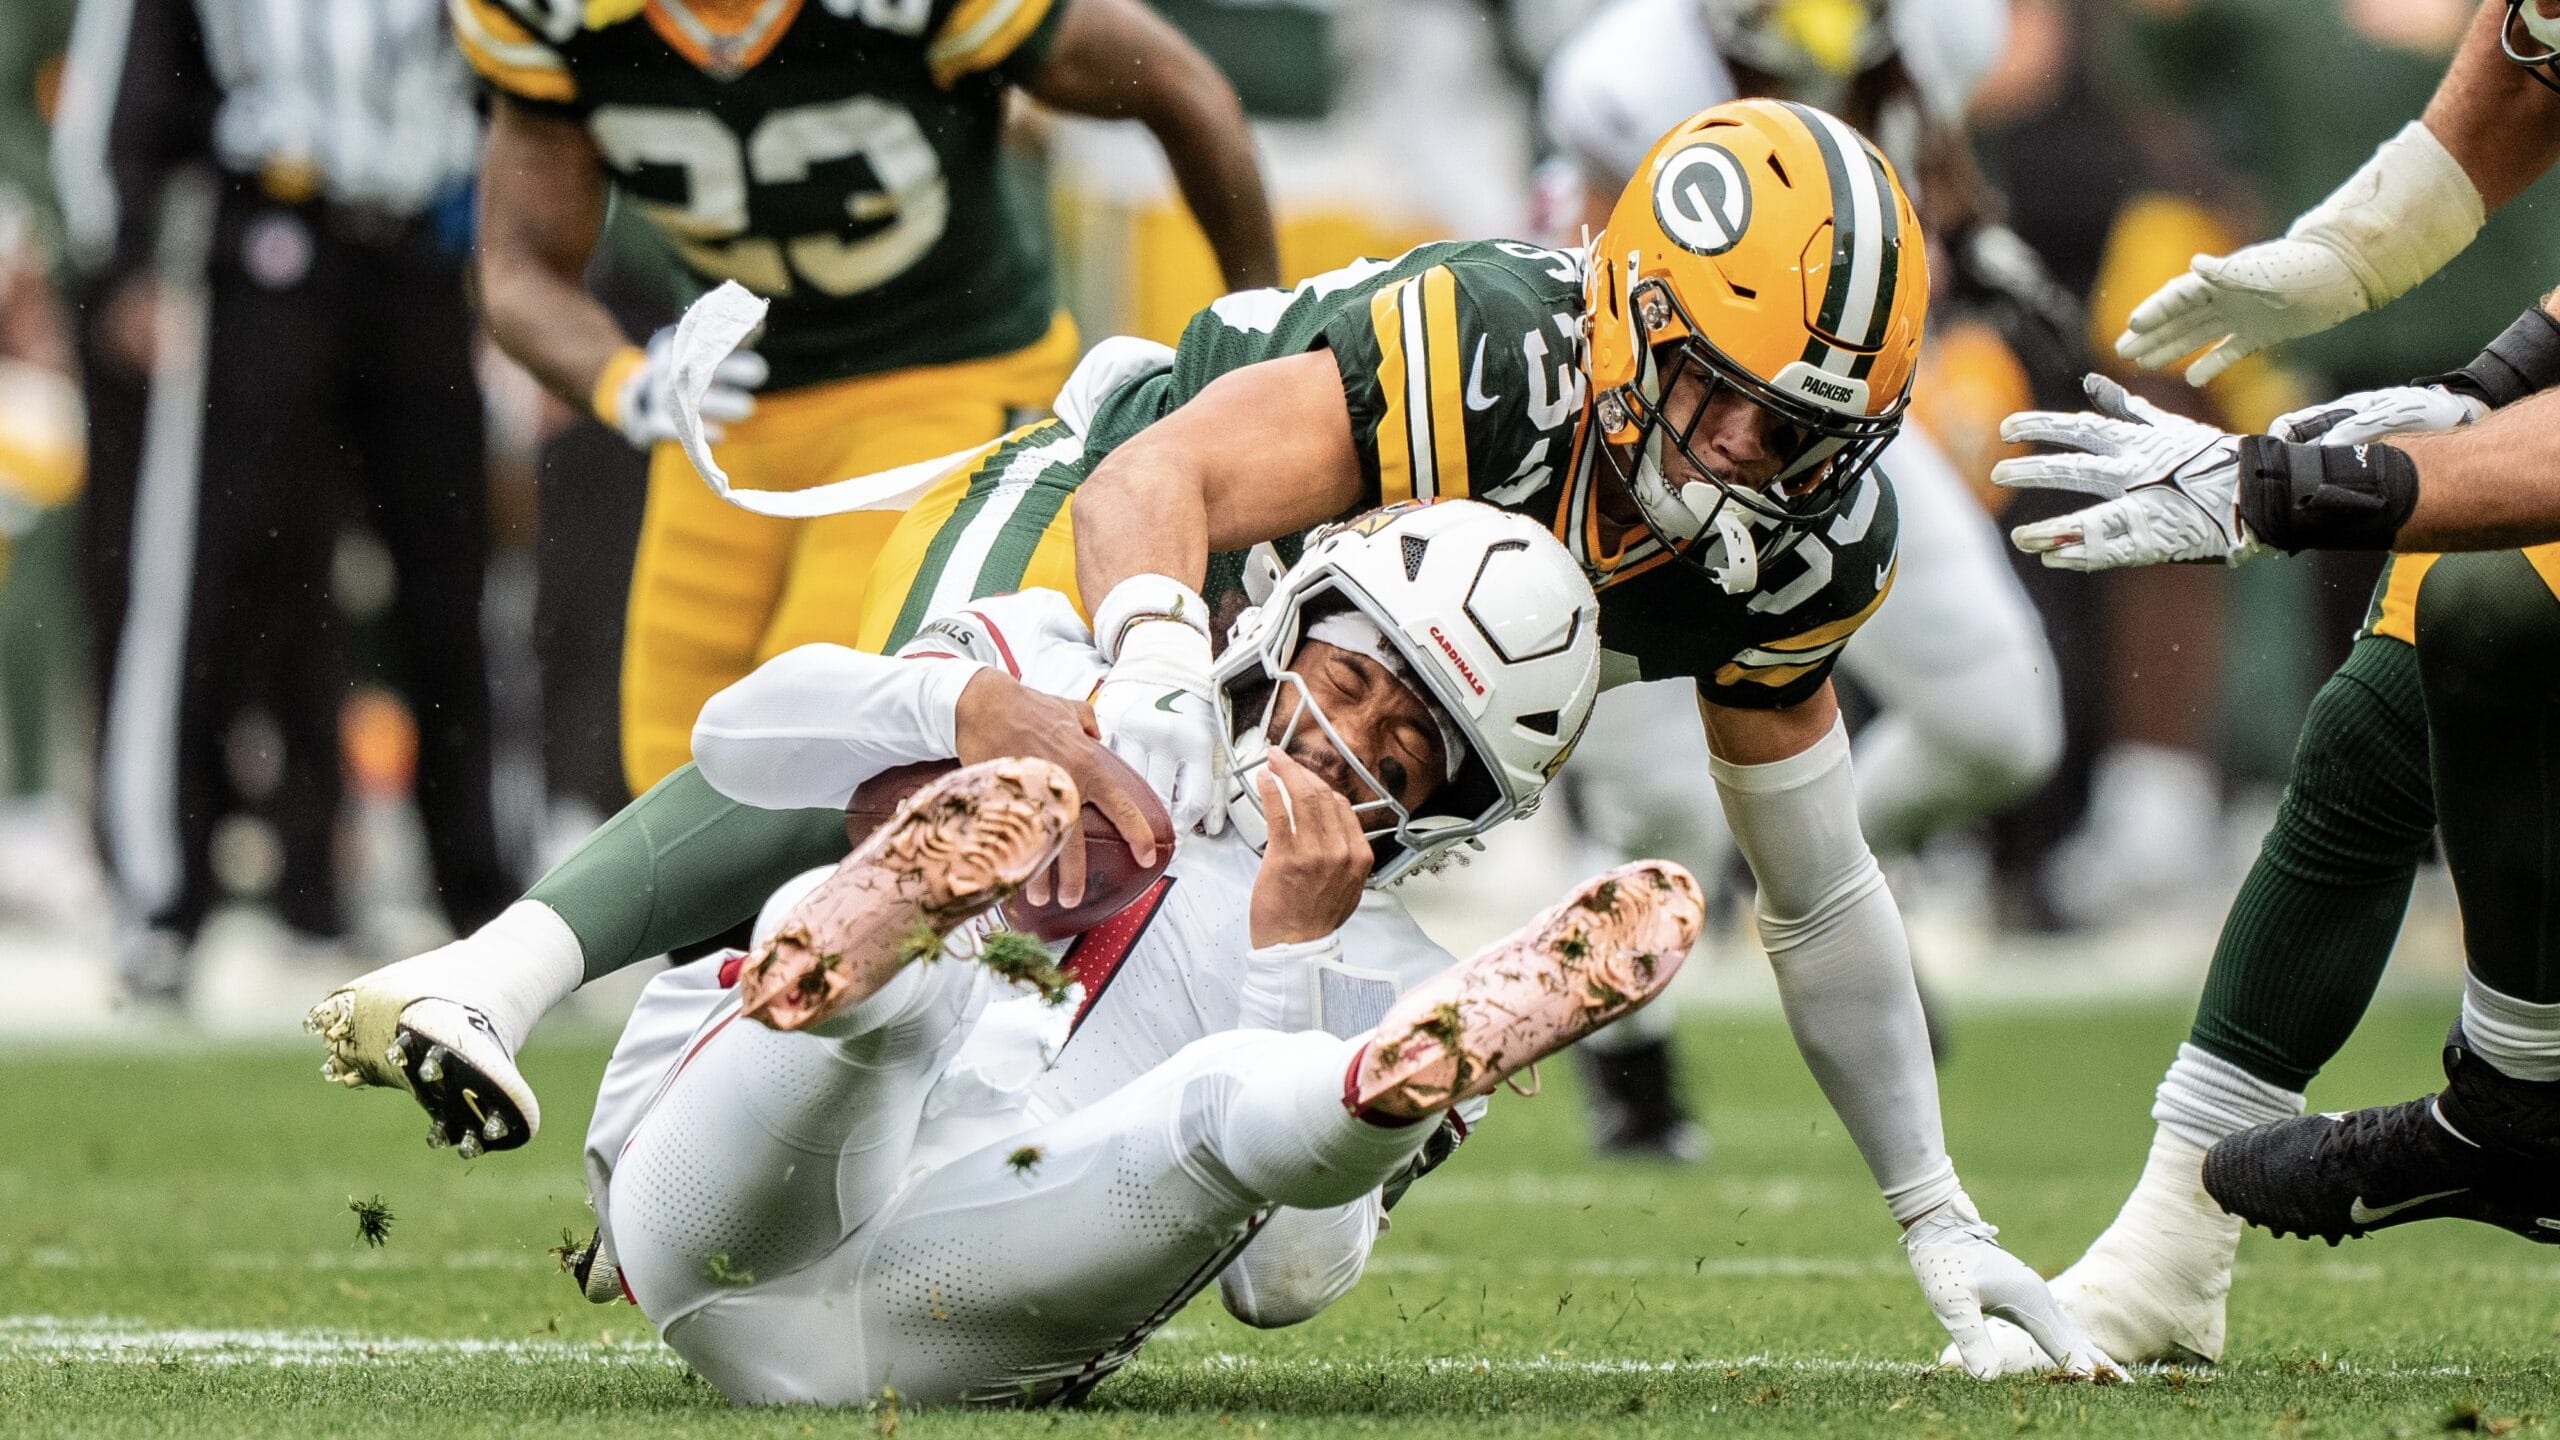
{"x":636,"y":394}
{"x":1966,"y":1276}
{"x":2394,"y":222}
{"x":2240,"y":304}
{"x":2373,"y":414}
{"x":1156,"y":705}
{"x":2171,"y":485}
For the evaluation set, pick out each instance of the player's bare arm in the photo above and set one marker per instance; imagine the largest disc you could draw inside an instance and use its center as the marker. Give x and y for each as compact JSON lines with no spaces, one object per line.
{"x":2491,"y":129}
{"x":1264,"y":451}
{"x":1762,"y":737}
{"x":2490,"y":486}
{"x":2492,"y":116}
{"x":542,"y":205}
{"x":1121,"y":61}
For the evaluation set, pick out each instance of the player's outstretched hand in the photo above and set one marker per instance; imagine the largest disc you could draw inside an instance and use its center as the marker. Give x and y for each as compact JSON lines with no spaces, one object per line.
{"x":642,"y":402}
{"x":2241,"y":303}
{"x":1315,"y":860}
{"x":2169,"y":486}
{"x":2370,"y":415}
{"x":1160,"y":714}
{"x":1966,"y":1277}
{"x":999,"y":715}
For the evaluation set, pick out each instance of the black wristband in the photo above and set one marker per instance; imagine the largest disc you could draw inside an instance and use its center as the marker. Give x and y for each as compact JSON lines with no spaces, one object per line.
{"x":2325,"y":497}
{"x":2524,"y":359}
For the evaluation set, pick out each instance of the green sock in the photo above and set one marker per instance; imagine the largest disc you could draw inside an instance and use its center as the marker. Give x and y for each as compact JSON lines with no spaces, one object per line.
{"x":679,"y":865}
{"x":2305,"y":942}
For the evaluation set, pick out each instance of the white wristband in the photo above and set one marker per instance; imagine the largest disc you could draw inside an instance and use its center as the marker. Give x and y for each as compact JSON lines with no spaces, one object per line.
{"x":1910,"y":1202}
{"x":1144,"y":599}
{"x":2398,"y":219}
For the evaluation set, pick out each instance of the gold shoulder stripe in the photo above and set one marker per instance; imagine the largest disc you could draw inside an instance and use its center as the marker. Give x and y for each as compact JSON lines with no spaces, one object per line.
{"x":1842,"y":628}
{"x":979,"y":35}
{"x":1442,"y":365}
{"x":505,"y":53}
{"x":2397,"y":616}
{"x":2545,"y":560}
{"x":1773,"y":676}
{"x":1781,"y":661}
{"x":1395,"y":437}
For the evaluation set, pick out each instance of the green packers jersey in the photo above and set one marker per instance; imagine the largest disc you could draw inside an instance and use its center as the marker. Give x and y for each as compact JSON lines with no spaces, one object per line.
{"x":838,"y":157}
{"x":1460,"y":366}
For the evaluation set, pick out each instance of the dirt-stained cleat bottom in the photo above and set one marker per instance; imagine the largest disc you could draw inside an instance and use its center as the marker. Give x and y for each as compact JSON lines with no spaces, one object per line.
{"x":1612,"y":945}
{"x":955,"y":849}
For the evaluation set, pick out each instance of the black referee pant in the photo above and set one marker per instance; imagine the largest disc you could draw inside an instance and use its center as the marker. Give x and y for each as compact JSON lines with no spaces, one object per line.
{"x":312,"y":365}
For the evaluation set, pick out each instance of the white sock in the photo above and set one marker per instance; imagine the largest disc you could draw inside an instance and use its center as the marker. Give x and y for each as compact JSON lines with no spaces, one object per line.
{"x":513,"y":970}
{"x":2519,"y":1037}
{"x":2204,"y":1098}
{"x":2152,"y":1286}
{"x":1288,"y":1136}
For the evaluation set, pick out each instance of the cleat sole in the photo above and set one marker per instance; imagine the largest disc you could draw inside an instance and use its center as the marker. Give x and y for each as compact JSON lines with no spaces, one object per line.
{"x":468,"y":1108}
{"x":953,"y":850}
{"x":1612,"y":945}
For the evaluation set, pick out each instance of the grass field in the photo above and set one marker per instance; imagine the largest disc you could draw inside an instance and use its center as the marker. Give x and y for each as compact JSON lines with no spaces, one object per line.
{"x":177,"y":1258}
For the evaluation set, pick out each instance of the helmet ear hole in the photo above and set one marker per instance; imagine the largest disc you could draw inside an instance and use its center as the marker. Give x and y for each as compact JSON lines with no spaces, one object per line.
{"x":1543,"y":722}
{"x":1780,"y":170}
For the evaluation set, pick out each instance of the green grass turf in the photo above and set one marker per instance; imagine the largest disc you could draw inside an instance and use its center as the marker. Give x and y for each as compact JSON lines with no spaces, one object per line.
{"x":189,"y":1209}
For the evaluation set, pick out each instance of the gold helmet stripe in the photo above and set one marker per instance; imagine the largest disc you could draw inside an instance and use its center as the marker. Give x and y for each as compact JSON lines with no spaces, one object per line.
{"x":1858,"y":297}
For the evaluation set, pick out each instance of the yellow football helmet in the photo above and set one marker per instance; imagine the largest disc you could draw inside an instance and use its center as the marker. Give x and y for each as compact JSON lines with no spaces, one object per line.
{"x":1767,"y":248}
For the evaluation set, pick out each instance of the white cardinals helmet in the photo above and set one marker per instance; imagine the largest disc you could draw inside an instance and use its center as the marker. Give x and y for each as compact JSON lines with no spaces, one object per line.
{"x":1486,"y":610}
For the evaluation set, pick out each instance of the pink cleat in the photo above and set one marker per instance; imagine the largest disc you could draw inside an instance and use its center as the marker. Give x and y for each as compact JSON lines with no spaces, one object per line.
{"x":1610,"y":947}
{"x":952,"y":851}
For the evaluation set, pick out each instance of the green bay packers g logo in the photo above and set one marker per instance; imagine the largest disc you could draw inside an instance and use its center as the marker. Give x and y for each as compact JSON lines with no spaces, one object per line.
{"x":1702,"y":200}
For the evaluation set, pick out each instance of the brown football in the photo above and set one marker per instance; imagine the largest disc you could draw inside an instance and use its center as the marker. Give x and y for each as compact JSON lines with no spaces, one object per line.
{"x":1112,"y":875}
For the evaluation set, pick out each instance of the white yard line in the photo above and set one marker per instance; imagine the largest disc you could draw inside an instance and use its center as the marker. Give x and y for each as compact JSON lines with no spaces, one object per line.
{"x":119,"y":1341}
{"x":112,"y":1340}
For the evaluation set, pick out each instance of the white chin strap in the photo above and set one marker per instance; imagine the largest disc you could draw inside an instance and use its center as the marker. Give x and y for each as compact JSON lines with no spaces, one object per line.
{"x":2545,"y":30}
{"x":1733,"y":556}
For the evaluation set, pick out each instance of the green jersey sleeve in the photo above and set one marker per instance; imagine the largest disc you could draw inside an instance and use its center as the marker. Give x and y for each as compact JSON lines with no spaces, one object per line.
{"x":1459,"y":379}
{"x":1006,"y":39}
{"x":512,"y":56}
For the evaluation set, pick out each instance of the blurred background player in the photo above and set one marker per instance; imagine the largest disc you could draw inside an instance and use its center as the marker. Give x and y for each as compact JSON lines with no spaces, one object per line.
{"x":1968,"y":711}
{"x":48,"y":870}
{"x":847,"y":163}
{"x":268,"y":207}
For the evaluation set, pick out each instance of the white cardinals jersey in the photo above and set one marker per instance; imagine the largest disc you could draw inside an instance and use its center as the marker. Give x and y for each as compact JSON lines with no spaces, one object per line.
{"x":997,"y":1072}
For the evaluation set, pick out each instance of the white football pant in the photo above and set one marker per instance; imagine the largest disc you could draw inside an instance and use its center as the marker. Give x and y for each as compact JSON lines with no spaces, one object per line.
{"x":799,"y":1228}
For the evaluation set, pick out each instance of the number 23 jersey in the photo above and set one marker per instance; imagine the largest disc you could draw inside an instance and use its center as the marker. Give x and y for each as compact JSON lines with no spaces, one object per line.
{"x":1461,"y":369}
{"x":839,"y":157}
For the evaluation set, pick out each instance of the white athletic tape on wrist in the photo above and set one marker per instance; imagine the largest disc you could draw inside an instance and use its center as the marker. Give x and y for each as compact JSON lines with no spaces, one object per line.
{"x":2400,"y":217}
{"x":1142,"y":599}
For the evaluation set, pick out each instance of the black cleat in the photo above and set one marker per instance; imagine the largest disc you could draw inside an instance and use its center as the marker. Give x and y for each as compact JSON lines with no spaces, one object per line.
{"x":2486,"y":1149}
{"x":593,"y":1267}
{"x":2340,"y":1177}
{"x":1636,"y":1109}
